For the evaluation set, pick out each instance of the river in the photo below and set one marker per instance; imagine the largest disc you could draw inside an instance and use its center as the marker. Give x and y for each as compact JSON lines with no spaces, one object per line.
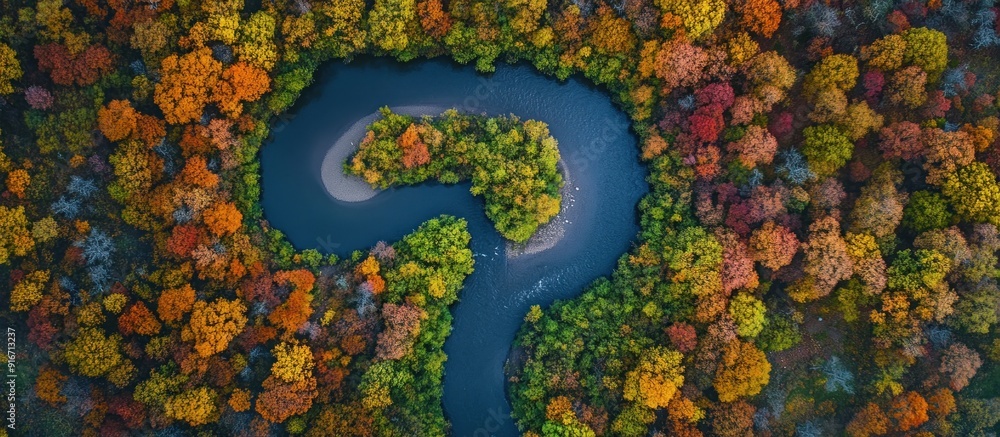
{"x":602,"y":163}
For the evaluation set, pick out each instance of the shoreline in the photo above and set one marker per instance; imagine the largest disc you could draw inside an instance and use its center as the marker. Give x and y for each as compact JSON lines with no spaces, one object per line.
{"x":346,"y":188}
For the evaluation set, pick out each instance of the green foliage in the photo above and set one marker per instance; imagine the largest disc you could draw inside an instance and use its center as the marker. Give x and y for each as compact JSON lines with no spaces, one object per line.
{"x":749,"y":314}
{"x":826,"y":149}
{"x":927,"y":49}
{"x":974,"y":194}
{"x":512,"y":164}
{"x":926,"y":210}
{"x":779,"y":333}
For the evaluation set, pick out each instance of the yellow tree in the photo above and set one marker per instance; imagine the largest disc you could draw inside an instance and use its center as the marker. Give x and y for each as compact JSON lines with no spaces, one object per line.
{"x":700,"y":17}
{"x":293,"y":362}
{"x":94,"y":354}
{"x":743,"y":371}
{"x":15,"y":238}
{"x":196,"y":407}
{"x":10,"y":69}
{"x":392,"y":23}
{"x":656,"y":378}
{"x":28,"y":291}
{"x":257,"y":41}
{"x":214,"y":325}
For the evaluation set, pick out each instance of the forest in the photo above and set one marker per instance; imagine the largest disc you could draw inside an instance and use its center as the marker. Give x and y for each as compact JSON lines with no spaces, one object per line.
{"x":817,"y":255}
{"x":512,"y":164}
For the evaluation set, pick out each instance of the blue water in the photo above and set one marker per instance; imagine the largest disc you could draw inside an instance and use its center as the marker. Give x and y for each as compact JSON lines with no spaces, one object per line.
{"x":601,"y":157}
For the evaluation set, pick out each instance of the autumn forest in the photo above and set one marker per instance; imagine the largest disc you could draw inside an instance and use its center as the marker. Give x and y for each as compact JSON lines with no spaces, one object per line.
{"x":817,"y":254}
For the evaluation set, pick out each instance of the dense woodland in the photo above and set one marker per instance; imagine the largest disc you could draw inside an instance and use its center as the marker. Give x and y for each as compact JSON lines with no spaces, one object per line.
{"x":512,"y":164}
{"x":818,"y":253}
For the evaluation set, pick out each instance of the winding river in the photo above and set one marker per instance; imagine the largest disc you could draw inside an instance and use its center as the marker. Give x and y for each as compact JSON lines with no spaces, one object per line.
{"x":598,"y":221}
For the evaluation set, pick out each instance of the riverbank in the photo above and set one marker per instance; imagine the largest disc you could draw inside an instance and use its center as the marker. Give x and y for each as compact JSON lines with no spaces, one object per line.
{"x":346,"y":188}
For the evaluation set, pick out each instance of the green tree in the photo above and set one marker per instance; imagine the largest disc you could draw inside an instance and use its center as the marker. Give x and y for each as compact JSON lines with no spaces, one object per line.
{"x":974,"y":194}
{"x":826,"y":149}
{"x":749,"y":314}
{"x":927,"y":49}
{"x":926,"y":210}
{"x":10,"y":69}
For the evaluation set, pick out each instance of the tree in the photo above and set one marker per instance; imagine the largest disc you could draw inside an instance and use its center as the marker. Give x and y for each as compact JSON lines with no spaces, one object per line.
{"x":196,"y":406}
{"x":175,"y":302}
{"x":656,"y":378}
{"x":214,"y":325}
{"x":28,"y":291}
{"x":117,"y":121}
{"x":773,"y":245}
{"x":973,"y":193}
{"x":281,"y":400}
{"x":38,"y":97}
{"x":945,"y":153}
{"x":760,"y":16}
{"x":257,"y":41}
{"x":10,"y":69}
{"x":827,"y":261}
{"x":433,"y":18}
{"x":68,"y":68}
{"x":293,"y":362}
{"x":93,"y":354}
{"x":902,"y":139}
{"x":835,"y":72}
{"x":679,"y":63}
{"x":187,"y":84}
{"x":239,"y":401}
{"x":48,"y":385}
{"x":610,"y":33}
{"x":742,"y":371}
{"x":960,"y":364}
{"x":137,"y":319}
{"x":196,"y":173}
{"x":859,"y":119}
{"x":683,"y":336}
{"x":15,"y":238}
{"x":391,"y":24}
{"x":295,"y":311}
{"x":18,"y":181}
{"x":241,"y":82}
{"x":879,"y":208}
{"x":732,"y":419}
{"x":941,"y":402}
{"x":223,"y":218}
{"x":926,"y":210}
{"x":826,"y":148}
{"x":402,"y":327}
{"x":908,"y":411}
{"x":757,"y":147}
{"x":886,"y":53}
{"x":927,"y":49}
{"x":749,"y":314}
{"x":700,"y":17}
{"x":737,"y":266}
{"x":908,"y":87}
{"x":869,"y":421}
